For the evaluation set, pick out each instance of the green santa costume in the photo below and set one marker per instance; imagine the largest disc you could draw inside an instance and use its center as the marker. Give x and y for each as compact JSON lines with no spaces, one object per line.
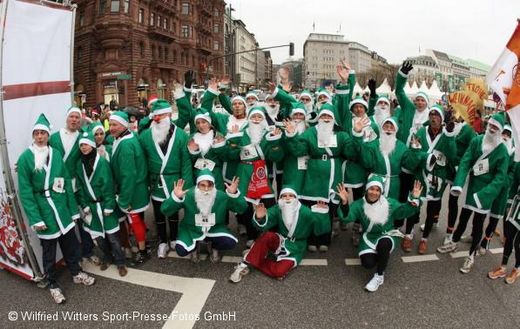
{"x":104,"y":149}
{"x":204,"y":215}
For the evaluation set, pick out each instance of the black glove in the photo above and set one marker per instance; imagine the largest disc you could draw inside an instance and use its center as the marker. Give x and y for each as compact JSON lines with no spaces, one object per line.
{"x":450,"y":126}
{"x":189,"y":78}
{"x":406,"y":67}
{"x":372,"y":86}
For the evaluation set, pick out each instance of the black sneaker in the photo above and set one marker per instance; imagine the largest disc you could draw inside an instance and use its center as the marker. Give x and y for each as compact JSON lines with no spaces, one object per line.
{"x":141,"y":257}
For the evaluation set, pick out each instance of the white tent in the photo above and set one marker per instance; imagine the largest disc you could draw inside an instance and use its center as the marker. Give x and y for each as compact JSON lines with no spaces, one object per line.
{"x":384,"y":88}
{"x":414,"y":90}
{"x":435,"y":93}
{"x":366,"y":90}
{"x":407,"y":90}
{"x":424,"y":87}
{"x":357,"y":89}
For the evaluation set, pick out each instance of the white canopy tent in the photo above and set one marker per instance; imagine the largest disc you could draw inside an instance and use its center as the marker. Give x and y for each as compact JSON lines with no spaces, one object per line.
{"x":435,"y":93}
{"x":384,"y":88}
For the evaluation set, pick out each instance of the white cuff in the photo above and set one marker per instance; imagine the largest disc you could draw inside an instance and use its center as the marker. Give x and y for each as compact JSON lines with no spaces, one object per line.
{"x":272,"y":138}
{"x":342,"y":91}
{"x":188,"y":90}
{"x":402,"y":74}
{"x":319,"y":210}
{"x":194,"y":152}
{"x":357,"y":134}
{"x":448,"y":134}
{"x":219,"y":144}
{"x":275,"y":92}
{"x":264,"y":221}
{"x":233,"y":135}
{"x":455,"y":189}
{"x":477,"y":201}
{"x":76,"y":216}
{"x":40,"y":223}
{"x":176,"y":199}
{"x":108,"y":211}
{"x":234,"y":196}
{"x":415,"y":202}
{"x":291,"y":135}
{"x":351,"y":72}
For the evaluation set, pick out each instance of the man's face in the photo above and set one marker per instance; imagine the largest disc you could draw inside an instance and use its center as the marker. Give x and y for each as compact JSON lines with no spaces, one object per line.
{"x":305,"y":99}
{"x":85,"y":148}
{"x":271,"y":102}
{"x":492,"y":128}
{"x":160,"y":117}
{"x":203,"y":126}
{"x":325,"y":118}
{"x":373,"y":193}
{"x":206,"y":186}
{"x":506,"y":135}
{"x":251,"y":100}
{"x":298,"y":116}
{"x":256,"y":118}
{"x":435,"y":120}
{"x":358,"y":110}
{"x":239,"y":108}
{"x":388,"y":128}
{"x":420,"y":103}
{"x":41,"y":137}
{"x":99,"y":136}
{"x":287,"y":197}
{"x":383,"y":105}
{"x":322,"y":98}
{"x":116,"y":128}
{"x":73,"y":121}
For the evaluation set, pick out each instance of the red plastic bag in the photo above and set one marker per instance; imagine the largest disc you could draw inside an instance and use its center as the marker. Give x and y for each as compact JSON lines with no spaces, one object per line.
{"x":258,"y":185}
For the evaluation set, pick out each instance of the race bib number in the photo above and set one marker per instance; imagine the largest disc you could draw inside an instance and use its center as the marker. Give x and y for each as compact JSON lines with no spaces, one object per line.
{"x":205,"y":221}
{"x":59,"y":185}
{"x":204,"y":164}
{"x":441,"y":158}
{"x":481,"y":167}
{"x":302,"y":162}
{"x":333,"y":142}
{"x":248,"y":152}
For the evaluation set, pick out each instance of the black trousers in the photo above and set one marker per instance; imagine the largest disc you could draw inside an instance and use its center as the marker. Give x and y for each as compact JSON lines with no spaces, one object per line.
{"x":512,"y":240}
{"x":476,"y":232}
{"x":433,"y":208}
{"x":70,"y":249}
{"x":160,"y":221}
{"x":379,"y":259}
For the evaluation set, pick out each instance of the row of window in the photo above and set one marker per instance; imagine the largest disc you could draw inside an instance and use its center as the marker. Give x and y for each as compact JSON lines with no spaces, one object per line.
{"x":115,"y":7}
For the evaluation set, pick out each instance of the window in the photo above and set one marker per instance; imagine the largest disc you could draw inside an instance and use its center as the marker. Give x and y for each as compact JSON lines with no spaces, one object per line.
{"x":159,"y":21}
{"x":114,"y":6}
{"x":185,"y":10}
{"x":126,"y":6}
{"x":185,"y":31}
{"x":141,"y":16}
{"x":215,"y":12}
{"x":216,"y":28}
{"x":81,"y":19}
{"x":141,"y":48}
{"x":79,"y":53}
{"x":165,"y":23}
{"x":175,"y":56}
{"x":102,"y":6}
{"x":215,"y":45}
{"x":152,"y":19}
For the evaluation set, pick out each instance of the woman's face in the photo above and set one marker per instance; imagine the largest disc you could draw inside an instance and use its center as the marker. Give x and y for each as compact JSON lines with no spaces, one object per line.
{"x":203,"y":126}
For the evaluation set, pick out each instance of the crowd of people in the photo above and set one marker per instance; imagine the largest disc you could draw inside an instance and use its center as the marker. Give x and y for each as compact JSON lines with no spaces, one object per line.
{"x":288,"y":166}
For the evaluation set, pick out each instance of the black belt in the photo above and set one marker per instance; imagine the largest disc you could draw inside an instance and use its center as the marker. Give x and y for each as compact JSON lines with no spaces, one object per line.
{"x":324,"y":157}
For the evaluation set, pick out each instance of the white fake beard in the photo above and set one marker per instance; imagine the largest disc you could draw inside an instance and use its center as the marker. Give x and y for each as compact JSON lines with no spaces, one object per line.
{"x":160,"y":130}
{"x":381,"y":114}
{"x":234,"y":121}
{"x":256,"y":131}
{"x":40,"y":156}
{"x":300,"y":126}
{"x":205,"y":200}
{"x":308,"y":107}
{"x":490,"y":141}
{"x":289,"y":211}
{"x":387,"y":143}
{"x":325,"y":131}
{"x":204,"y":141}
{"x":273,"y":111}
{"x":509,"y":145}
{"x":378,"y":211}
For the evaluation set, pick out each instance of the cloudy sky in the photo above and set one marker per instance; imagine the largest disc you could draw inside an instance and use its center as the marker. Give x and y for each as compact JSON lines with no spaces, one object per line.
{"x":477,"y":29}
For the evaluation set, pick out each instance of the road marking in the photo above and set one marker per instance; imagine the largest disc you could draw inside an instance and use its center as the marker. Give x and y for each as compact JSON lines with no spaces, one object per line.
{"x":194,"y":291}
{"x":173,"y":254}
{"x":314,"y":262}
{"x":352,"y":261}
{"x":238,"y":259}
{"x":459,"y":254}
{"x":231,"y":259}
{"x":496,"y":251}
{"x":419,"y":258}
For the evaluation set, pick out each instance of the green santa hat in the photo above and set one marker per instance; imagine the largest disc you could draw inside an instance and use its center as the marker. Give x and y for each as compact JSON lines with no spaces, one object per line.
{"x":256,"y":110}
{"x":306,"y":93}
{"x":87,"y":138}
{"x":94,"y":126}
{"x":424,"y":96}
{"x":327,"y":108}
{"x":74,"y":109}
{"x":375,"y":180}
{"x":498,"y":120}
{"x":205,"y":174}
{"x":437,"y":108}
{"x":393,"y":121}
{"x":240,"y":99}
{"x":383,"y":99}
{"x":42,"y":124}
{"x":204,"y":116}
{"x":161,"y":106}
{"x":324,"y":92}
{"x":297,"y":107}
{"x":121,"y":117}
{"x":252,"y":95}
{"x":358,"y":100}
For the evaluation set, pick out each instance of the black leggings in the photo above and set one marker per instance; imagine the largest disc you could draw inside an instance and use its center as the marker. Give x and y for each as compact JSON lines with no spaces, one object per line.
{"x":380,"y":258}
{"x":160,"y":221}
{"x":512,"y":240}
{"x":453,"y":211}
{"x":476,"y":232}
{"x":324,"y":239}
{"x":407,"y":181}
{"x":490,"y":230}
{"x":433,"y":208}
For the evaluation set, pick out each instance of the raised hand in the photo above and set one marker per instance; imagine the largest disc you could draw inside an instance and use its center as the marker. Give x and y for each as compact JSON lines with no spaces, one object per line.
{"x":212,"y":84}
{"x":235,"y":129}
{"x":178,"y":189}
{"x":218,"y":139}
{"x":41,"y":227}
{"x":417,"y":189}
{"x":342,"y":193}
{"x":287,"y":86}
{"x":372,"y":86}
{"x":360,"y":124}
{"x":272,"y":87}
{"x":343,"y":70}
{"x":260,"y":211}
{"x":189,"y":78}
{"x":290,"y":128}
{"x":233,"y":187}
{"x":406,"y":67}
{"x":283,"y":73}
{"x":192,"y":145}
{"x":321,"y":204}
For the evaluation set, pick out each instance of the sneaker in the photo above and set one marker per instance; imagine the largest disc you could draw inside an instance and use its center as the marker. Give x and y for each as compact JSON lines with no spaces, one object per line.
{"x":172,"y":245}
{"x":83,"y":278}
{"x":241,"y":270}
{"x":376,"y":281}
{"x":195,"y":255}
{"x":323,"y":248}
{"x":446,"y":248}
{"x":312,"y":248}
{"x":447,"y":238}
{"x":468,"y":265}
{"x":141,"y":258}
{"x":123,"y":271}
{"x":57,"y":295}
{"x":466,"y":239}
{"x":482,"y":251}
{"x":511,"y":278}
{"x":103,"y":266}
{"x":422,"y":227}
{"x":406,"y":244}
{"x":423,"y":247}
{"x":162,"y":250}
{"x":249,"y":243}
{"x":214,"y":256}
{"x":93,"y":259}
{"x":497,"y":273}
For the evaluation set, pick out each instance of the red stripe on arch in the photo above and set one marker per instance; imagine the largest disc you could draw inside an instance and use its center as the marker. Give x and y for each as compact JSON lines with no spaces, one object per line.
{"x":36,"y":89}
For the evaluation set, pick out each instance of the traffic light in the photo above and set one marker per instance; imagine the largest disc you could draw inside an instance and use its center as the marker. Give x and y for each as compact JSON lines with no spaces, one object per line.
{"x":291,"y":49}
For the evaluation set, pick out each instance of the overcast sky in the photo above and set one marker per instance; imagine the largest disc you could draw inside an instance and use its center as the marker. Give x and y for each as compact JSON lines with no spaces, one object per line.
{"x":395,"y":29}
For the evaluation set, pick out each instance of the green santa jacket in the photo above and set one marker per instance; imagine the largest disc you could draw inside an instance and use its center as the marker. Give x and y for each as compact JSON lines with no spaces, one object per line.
{"x":372,"y":232}
{"x":46,"y":194}
{"x":165,"y":169}
{"x":130,"y":174}
{"x":96,"y":192}
{"x":212,"y":160}
{"x":191,"y":229}
{"x":463,"y":136}
{"x":72,"y":157}
{"x":294,"y":238}
{"x":487,"y":175}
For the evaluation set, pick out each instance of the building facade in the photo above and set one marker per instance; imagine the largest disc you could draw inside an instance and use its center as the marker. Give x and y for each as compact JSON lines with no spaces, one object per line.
{"x":129,"y":49}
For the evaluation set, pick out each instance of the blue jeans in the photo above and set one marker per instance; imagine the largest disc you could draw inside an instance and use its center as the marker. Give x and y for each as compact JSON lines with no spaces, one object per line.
{"x":111,"y":248}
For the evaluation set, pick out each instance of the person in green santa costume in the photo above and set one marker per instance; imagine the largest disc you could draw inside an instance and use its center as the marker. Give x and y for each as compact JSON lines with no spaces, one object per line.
{"x":485,"y":164}
{"x":166,"y":152}
{"x":377,"y":215}
{"x":286,"y":227}
{"x":130,"y":178}
{"x":103,"y":148}
{"x":47,"y":198}
{"x":96,"y":197}
{"x":205,"y":210}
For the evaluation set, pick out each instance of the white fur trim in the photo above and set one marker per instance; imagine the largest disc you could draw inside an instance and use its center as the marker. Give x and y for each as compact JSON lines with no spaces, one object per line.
{"x":320,"y":210}
{"x":329,"y":112}
{"x":233,"y":135}
{"x":120,"y":120}
{"x":162,"y":111}
{"x":108,"y":211}
{"x":275,"y":92}
{"x":204,"y":116}
{"x":342,"y":91}
{"x":288,"y":190}
{"x":214,"y":92}
{"x":87,"y":141}
{"x":176,"y":199}
{"x":205,"y":177}
{"x":271,"y":138}
{"x":219,"y":144}
{"x":357,"y":134}
{"x":448,"y":134}
{"x":495,"y":123}
{"x":401,"y":73}
{"x":477,"y":201}
{"x":374,"y":183}
{"x":428,"y":160}
{"x":194,"y":152}
{"x":74,"y":110}
{"x":415,"y":202}
{"x":234,"y":196}
{"x":290,"y":135}
{"x":40,"y":223}
{"x":39,"y":126}
{"x":455,"y":189}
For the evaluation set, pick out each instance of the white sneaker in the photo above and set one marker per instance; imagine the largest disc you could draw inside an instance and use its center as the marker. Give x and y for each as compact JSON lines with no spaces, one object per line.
{"x":93,"y":259}
{"x":482,"y":251}
{"x":57,"y":295}
{"x":162,"y":250}
{"x":422,"y":227}
{"x":312,"y":248}
{"x":376,"y":281}
{"x":446,"y":248}
{"x":249,"y":243}
{"x":466,"y":239}
{"x":83,"y":278}
{"x":172,"y":245}
{"x":468,"y":265}
{"x":240,"y":271}
{"x":447,"y":238}
{"x":324,"y":248}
